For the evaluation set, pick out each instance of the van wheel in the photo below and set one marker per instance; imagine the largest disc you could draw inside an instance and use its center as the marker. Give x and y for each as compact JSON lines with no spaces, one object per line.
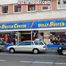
{"x":63,"y":52}
{"x":35,"y":51}
{"x":59,"y":52}
{"x":11,"y":50}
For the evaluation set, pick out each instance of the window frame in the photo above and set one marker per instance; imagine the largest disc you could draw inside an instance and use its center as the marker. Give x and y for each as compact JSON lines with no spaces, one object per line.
{"x":31,"y":10}
{"x":61,"y":5}
{"x":46,"y":5}
{"x":2,"y":9}
{"x":45,"y":9}
{"x":14,"y":8}
{"x":64,"y":2}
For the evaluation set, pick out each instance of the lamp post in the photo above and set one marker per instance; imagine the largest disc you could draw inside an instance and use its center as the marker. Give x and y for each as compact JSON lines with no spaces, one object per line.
{"x":31,"y":35}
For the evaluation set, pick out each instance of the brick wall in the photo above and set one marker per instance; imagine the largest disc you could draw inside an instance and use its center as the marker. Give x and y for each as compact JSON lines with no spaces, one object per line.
{"x":0,"y":10}
{"x":10,"y":8}
{"x":24,"y":8}
{"x":38,"y":8}
{"x":54,"y":4}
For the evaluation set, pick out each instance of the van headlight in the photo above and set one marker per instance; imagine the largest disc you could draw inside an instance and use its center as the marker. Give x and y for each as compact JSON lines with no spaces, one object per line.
{"x":44,"y":46}
{"x":60,"y":48}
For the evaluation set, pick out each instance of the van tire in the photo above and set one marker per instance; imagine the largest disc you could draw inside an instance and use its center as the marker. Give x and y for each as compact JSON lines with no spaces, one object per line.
{"x":11,"y":50}
{"x":35,"y":51}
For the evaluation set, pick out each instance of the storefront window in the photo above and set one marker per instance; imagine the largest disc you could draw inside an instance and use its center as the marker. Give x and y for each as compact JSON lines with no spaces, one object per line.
{"x":4,"y":9}
{"x":7,"y":37}
{"x":58,"y":37}
{"x":17,"y":8}
{"x":24,"y":35}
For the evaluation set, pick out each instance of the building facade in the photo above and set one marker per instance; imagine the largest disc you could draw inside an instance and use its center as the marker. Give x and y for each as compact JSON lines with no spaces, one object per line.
{"x":29,"y":17}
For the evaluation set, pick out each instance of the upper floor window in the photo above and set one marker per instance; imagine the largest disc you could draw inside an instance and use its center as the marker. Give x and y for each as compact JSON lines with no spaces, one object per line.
{"x":31,"y":7}
{"x":61,"y":4}
{"x":64,"y":1}
{"x":46,"y":4}
{"x":4,"y":9}
{"x":58,"y":1}
{"x":17,"y":8}
{"x":45,"y":7}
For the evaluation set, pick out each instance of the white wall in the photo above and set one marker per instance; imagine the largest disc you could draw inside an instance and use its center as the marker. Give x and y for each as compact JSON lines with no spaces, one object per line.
{"x":33,"y":16}
{"x":7,"y":1}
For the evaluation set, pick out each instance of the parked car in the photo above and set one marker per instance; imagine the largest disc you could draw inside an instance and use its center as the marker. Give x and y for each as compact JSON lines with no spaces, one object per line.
{"x":62,"y":50}
{"x":1,"y":44}
{"x":1,"y":47}
{"x":28,"y":46}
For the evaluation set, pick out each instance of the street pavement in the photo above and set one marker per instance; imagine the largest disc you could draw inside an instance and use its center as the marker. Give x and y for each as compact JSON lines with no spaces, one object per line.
{"x":50,"y":58}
